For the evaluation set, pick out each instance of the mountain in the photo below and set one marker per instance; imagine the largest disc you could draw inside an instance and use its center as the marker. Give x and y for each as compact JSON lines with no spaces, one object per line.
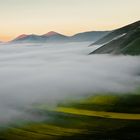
{"x":21,"y":36}
{"x":48,"y":37}
{"x":28,"y":38}
{"x":125,"y":40}
{"x":116,"y":33}
{"x":54,"y":37}
{"x":88,"y":36}
{"x":52,"y":33}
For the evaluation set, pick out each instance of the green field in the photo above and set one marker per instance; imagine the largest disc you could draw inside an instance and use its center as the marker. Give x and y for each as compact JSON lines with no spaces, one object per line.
{"x":99,"y":117}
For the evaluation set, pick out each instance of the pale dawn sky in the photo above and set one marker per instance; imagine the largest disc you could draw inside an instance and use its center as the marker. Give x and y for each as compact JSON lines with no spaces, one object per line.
{"x":64,"y":16}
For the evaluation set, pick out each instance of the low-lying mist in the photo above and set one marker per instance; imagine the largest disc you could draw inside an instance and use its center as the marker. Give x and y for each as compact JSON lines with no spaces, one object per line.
{"x":52,"y":72}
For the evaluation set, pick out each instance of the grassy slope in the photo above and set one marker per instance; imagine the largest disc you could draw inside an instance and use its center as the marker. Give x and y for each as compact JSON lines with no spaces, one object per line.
{"x":133,"y":48}
{"x":117,"y":32}
{"x":67,"y":125}
{"x":111,"y":103}
{"x":127,"y":44}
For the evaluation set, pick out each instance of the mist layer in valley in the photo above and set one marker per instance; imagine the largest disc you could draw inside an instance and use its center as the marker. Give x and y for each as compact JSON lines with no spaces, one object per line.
{"x":33,"y":73}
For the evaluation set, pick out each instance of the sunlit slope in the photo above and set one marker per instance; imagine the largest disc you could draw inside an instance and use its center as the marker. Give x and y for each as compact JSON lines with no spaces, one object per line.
{"x":125,"y":103}
{"x":107,"y":106}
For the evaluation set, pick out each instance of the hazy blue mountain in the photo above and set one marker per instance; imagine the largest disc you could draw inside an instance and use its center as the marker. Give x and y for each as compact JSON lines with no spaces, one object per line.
{"x":49,"y":37}
{"x":54,"y":37}
{"x":89,"y":36}
{"x":116,"y":33}
{"x":27,"y":38}
{"x":126,"y":43}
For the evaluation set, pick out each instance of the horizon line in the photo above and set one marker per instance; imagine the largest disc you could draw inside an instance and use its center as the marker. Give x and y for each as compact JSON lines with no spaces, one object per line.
{"x":56,"y":32}
{"x":2,"y":41}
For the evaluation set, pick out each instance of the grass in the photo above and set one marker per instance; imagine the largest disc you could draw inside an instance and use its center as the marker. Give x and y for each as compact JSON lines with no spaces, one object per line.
{"x":125,"y":103}
{"x":88,"y":126}
{"x":133,"y":48}
{"x":88,"y":118}
{"x":99,"y":113}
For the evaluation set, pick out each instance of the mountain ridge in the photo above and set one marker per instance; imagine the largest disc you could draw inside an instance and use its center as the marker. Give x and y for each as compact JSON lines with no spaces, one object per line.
{"x":57,"y":37}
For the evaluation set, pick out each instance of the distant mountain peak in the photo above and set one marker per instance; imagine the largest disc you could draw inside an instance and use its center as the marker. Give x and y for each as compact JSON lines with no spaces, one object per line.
{"x":53,"y":36}
{"x":51,"y":33}
{"x":21,"y":36}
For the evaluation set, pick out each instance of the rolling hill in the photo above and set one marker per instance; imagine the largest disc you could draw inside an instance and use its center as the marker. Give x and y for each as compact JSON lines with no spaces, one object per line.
{"x":98,"y":117}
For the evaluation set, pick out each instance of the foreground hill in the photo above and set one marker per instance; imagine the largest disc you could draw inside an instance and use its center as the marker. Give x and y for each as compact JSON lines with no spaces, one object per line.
{"x":99,"y":117}
{"x":54,"y":37}
{"x":125,"y":40}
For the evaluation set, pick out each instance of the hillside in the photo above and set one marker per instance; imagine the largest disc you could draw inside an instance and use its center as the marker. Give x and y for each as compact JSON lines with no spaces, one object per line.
{"x":109,"y":116}
{"x":117,"y":32}
{"x":126,"y":43}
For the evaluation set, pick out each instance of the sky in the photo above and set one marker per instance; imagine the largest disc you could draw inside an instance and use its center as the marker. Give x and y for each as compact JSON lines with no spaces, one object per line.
{"x":64,"y":16}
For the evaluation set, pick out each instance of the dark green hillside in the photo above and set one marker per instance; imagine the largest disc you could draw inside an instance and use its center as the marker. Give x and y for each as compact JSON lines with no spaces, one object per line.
{"x":117,"y":32}
{"x":133,"y":48}
{"x":128,"y":44}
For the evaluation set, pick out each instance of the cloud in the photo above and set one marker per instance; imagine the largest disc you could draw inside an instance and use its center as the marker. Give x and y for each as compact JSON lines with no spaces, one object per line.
{"x":49,"y":73}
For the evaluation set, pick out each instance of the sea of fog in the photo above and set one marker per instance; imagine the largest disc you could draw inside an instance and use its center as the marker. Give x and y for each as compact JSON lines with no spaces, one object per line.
{"x":32,"y":73}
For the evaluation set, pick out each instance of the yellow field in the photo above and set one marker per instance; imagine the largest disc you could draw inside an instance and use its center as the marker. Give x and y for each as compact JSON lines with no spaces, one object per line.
{"x":82,"y":118}
{"x":104,"y":114}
